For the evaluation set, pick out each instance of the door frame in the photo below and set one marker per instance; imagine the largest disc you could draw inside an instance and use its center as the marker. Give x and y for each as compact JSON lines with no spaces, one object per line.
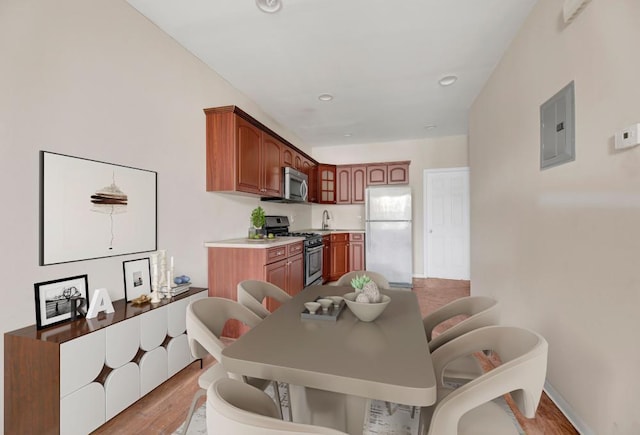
{"x":425,"y":211}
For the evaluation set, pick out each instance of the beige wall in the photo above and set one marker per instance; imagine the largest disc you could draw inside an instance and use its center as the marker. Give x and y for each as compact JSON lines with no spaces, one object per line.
{"x":445,"y":152}
{"x":560,"y":248}
{"x":95,"y":79}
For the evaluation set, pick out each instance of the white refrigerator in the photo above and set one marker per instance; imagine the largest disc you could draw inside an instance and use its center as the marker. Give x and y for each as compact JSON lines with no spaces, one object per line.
{"x":389,"y":240}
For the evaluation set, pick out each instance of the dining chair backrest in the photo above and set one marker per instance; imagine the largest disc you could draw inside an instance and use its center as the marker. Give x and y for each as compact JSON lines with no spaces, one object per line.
{"x":234,"y":407}
{"x":481,"y":311}
{"x":251,"y":294}
{"x":206,"y":319}
{"x":376,"y":277}
{"x":523,"y":356}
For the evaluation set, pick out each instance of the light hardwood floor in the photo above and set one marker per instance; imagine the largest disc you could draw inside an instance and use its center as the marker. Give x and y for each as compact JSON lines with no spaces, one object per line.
{"x":163,"y":410}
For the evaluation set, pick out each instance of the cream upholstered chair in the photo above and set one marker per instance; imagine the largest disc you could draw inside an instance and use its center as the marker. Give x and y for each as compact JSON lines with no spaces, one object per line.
{"x":481,"y":311}
{"x":205,"y":320}
{"x":251,"y":293}
{"x":237,"y":408}
{"x":470,"y":409}
{"x":380,"y":280}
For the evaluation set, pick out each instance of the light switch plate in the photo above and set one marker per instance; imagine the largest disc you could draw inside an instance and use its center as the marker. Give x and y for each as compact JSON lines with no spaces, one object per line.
{"x":628,"y":137}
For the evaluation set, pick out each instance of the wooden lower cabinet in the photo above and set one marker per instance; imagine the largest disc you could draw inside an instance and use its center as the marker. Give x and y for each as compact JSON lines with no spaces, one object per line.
{"x":356,"y":251}
{"x":346,"y":254}
{"x":281,"y":265}
{"x":288,"y":274}
{"x":326,"y":259}
{"x":72,"y":378}
{"x":339,"y":253}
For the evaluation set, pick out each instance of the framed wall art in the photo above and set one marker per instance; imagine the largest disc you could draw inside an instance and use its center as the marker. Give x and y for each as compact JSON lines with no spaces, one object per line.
{"x":137,"y":278}
{"x":55,"y":299}
{"x":91,"y":209}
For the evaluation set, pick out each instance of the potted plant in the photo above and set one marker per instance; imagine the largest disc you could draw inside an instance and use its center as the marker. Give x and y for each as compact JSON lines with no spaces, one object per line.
{"x":258,"y":218}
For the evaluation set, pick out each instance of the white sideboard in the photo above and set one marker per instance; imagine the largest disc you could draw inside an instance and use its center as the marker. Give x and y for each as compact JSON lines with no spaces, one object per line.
{"x":72,"y":378}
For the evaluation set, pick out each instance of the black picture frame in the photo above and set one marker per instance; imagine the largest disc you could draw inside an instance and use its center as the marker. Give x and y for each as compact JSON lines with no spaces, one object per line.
{"x":137,"y":278}
{"x":91,"y":209}
{"x":56,"y":298}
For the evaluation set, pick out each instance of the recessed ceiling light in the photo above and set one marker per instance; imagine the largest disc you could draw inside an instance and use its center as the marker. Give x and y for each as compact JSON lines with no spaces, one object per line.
{"x":269,"y":6}
{"x":430,"y":127}
{"x":447,"y":80}
{"x":348,"y":135}
{"x":325,"y":97}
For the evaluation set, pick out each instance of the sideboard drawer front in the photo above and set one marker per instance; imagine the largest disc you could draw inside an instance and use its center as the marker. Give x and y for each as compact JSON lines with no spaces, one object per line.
{"x":153,"y":369}
{"x":123,"y":342}
{"x":81,"y":361}
{"x":177,"y":317}
{"x":83,"y":411}
{"x":277,"y":253}
{"x":153,"y":328}
{"x":121,"y":388}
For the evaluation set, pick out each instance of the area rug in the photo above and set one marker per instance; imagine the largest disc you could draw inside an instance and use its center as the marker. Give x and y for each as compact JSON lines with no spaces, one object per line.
{"x":380,"y":417}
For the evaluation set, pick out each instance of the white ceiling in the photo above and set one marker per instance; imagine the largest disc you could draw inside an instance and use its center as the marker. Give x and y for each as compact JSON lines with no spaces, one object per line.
{"x":381,"y":60}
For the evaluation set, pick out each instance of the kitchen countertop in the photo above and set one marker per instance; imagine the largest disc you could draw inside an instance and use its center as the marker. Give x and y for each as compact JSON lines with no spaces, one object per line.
{"x":332,"y":230}
{"x":244,"y":242}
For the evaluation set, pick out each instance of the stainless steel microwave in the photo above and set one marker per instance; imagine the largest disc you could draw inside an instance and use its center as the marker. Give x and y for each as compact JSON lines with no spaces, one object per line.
{"x":295,"y":185}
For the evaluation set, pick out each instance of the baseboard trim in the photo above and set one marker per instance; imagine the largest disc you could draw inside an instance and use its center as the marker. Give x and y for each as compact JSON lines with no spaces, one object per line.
{"x":566,"y":409}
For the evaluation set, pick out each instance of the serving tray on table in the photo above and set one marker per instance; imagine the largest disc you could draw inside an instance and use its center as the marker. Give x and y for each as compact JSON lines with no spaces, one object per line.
{"x":331,"y":315}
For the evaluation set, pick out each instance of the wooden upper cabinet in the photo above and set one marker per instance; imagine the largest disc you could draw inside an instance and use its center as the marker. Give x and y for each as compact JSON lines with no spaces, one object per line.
{"x":376,"y":174}
{"x":398,"y":173}
{"x":326,"y":184}
{"x":248,"y":151}
{"x":351,"y":183}
{"x":258,"y":160}
{"x":358,"y":183}
{"x":388,"y":173}
{"x":343,"y":186}
{"x":245,"y":156}
{"x":272,"y":171}
{"x":287,"y":157}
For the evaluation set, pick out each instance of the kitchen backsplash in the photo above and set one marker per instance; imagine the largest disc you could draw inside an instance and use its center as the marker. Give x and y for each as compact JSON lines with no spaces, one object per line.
{"x":349,"y":217}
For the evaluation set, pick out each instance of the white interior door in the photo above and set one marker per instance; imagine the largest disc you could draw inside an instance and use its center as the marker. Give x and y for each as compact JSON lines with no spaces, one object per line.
{"x":446,"y":229}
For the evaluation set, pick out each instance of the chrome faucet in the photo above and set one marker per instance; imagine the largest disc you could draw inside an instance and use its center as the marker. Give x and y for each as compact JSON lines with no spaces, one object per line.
{"x":325,"y":218}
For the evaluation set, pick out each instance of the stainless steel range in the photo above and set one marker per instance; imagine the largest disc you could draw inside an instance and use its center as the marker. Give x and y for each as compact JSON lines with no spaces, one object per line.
{"x":279,"y":226}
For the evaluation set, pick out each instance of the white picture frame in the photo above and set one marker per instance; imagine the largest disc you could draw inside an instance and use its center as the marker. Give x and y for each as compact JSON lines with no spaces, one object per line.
{"x":91,"y":209}
{"x":137,"y":278}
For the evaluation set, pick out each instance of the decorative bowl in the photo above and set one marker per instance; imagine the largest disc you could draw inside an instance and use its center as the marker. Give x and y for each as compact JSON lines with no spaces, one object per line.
{"x":366,"y":312}
{"x":312,"y":307}
{"x":326,"y":304}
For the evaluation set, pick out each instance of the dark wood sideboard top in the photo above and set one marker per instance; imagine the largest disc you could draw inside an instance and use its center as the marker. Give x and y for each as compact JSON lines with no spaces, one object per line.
{"x":122,"y":311}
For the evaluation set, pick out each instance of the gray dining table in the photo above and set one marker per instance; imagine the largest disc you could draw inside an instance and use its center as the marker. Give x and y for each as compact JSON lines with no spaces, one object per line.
{"x":387,"y":359}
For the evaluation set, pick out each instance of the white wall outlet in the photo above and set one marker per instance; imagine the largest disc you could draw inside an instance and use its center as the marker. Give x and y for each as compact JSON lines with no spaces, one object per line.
{"x":628,"y":137}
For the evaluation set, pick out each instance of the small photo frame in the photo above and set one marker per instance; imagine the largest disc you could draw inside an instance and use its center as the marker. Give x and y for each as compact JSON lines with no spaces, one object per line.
{"x":55,"y":299}
{"x":137,"y":278}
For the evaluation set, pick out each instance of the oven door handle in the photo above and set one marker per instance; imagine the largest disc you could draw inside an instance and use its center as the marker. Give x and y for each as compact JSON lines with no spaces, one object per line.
{"x":314,"y":249}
